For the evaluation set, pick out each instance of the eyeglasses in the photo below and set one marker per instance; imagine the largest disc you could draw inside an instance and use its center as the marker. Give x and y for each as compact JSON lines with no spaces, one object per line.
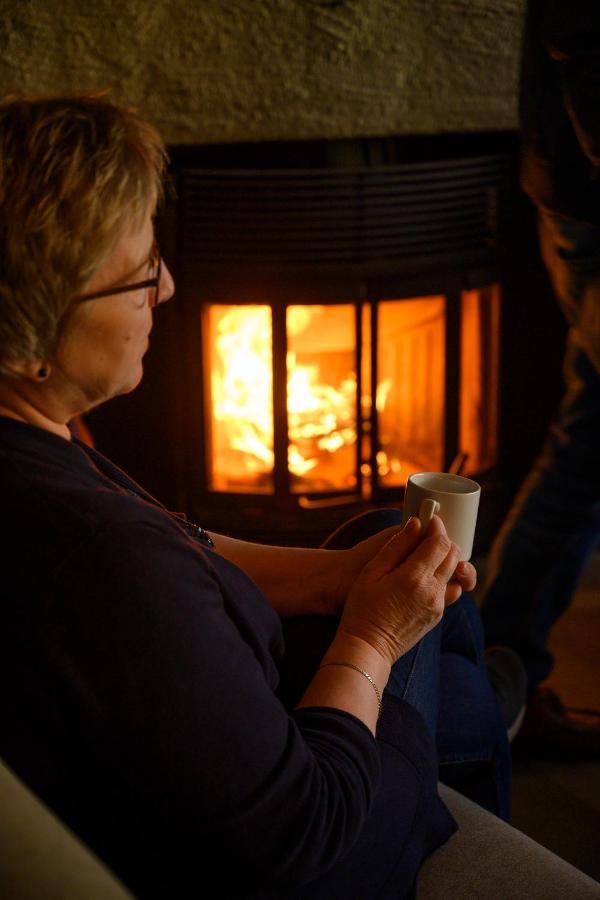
{"x":151,"y":284}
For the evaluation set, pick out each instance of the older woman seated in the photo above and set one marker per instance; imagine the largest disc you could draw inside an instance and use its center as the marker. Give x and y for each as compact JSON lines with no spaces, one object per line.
{"x":148,"y":695}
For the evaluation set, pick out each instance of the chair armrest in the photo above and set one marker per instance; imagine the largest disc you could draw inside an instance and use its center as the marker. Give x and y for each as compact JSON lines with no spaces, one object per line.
{"x":489,"y":860}
{"x":40,"y":857}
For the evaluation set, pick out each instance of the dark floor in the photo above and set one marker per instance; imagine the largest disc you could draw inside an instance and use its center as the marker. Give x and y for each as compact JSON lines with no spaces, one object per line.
{"x":558,"y":803}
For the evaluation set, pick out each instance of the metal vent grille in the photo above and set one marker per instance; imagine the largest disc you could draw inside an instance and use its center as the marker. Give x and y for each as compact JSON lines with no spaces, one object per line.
{"x":294,"y":217}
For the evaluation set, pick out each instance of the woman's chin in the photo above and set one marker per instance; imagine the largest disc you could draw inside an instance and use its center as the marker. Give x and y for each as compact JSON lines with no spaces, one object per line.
{"x":128,"y":384}
{"x":131,"y":385}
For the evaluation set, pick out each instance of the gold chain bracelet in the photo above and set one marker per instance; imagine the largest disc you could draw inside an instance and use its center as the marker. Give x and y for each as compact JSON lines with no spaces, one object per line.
{"x":369,"y":677}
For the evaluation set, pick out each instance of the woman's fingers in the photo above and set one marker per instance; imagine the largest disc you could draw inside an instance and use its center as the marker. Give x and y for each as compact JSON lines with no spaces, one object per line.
{"x":452,"y":593}
{"x":434,"y":552}
{"x":402,"y":591}
{"x":396,"y":550}
{"x":446,"y":569}
{"x":434,"y":547}
{"x":463,"y":579}
{"x":466,"y":576}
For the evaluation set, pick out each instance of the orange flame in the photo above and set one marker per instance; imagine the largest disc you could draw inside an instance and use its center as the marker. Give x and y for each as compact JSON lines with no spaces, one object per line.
{"x":321,"y":418}
{"x":242,"y":384}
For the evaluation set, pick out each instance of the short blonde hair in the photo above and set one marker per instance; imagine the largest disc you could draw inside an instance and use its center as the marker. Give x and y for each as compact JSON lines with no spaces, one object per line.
{"x":75,"y":172}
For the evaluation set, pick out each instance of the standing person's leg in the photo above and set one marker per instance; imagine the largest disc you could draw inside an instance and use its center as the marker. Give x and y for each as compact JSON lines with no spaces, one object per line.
{"x":554,"y":524}
{"x":551,"y":530}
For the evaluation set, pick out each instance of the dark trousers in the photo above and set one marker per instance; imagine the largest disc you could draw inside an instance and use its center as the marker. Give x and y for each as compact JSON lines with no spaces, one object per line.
{"x":554,"y":524}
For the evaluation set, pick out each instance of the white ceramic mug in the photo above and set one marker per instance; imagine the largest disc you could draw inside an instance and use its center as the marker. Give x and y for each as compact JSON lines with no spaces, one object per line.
{"x":453,"y":498}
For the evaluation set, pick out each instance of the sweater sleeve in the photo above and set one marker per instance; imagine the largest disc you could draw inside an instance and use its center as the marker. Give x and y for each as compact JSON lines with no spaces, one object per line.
{"x":176,"y":699}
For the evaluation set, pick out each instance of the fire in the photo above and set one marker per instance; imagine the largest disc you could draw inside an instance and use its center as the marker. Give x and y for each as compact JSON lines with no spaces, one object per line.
{"x":317,"y":413}
{"x":242,"y":383}
{"x":402,"y":418}
{"x":321,"y":414}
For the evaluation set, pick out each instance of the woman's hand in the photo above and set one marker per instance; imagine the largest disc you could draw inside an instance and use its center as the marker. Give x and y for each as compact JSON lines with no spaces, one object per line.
{"x":402,"y":591}
{"x":464,"y":579}
{"x":349,"y":564}
{"x":356,"y":558}
{"x":300,"y":581}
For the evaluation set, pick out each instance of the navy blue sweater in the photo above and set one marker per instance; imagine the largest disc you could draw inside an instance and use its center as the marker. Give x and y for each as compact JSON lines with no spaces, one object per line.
{"x":139,"y":677}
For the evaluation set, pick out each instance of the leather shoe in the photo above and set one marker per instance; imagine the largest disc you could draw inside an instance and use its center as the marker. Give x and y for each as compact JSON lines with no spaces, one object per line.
{"x":551,"y":730}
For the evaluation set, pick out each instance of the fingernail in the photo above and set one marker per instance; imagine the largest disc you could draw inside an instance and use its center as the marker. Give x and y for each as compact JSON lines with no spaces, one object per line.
{"x":411,"y":521}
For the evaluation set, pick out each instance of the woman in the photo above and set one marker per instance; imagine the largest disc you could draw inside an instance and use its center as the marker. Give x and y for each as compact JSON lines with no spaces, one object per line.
{"x":142,"y":657}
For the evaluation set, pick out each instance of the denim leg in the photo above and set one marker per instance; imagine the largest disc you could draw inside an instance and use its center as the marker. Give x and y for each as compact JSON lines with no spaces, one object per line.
{"x":473,"y":750}
{"x":415,"y":676}
{"x":552,"y":528}
{"x":443,"y":677}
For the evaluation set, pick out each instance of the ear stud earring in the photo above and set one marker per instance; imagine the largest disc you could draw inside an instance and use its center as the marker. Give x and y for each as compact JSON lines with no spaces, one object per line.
{"x":42,"y":373}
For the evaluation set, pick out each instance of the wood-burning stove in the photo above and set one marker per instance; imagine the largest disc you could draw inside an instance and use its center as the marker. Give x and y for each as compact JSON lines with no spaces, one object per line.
{"x":338,"y":325}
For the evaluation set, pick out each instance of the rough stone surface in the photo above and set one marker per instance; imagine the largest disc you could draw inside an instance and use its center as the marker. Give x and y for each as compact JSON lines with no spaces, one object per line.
{"x":208,"y":71}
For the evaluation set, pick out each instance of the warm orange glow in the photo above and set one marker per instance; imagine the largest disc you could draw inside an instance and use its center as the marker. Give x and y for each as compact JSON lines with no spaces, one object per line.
{"x":479,"y":377}
{"x":321,"y":392}
{"x":241,"y":388}
{"x":411,"y":386}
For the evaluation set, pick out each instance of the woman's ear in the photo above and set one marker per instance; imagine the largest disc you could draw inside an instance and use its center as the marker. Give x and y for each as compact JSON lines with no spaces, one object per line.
{"x":33,"y":369}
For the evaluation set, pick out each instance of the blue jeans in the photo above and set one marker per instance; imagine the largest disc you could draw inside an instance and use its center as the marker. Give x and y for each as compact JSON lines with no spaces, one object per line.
{"x":443,"y":677}
{"x":553,"y":526}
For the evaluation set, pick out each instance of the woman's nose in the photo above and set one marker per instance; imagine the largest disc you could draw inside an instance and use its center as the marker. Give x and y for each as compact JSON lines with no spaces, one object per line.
{"x":166,"y":288}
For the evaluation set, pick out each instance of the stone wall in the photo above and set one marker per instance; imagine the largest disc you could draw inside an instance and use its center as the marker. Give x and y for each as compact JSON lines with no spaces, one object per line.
{"x":209,"y":71}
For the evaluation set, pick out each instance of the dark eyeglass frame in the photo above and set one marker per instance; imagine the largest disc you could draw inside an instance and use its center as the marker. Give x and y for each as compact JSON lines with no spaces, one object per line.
{"x":155,"y":262}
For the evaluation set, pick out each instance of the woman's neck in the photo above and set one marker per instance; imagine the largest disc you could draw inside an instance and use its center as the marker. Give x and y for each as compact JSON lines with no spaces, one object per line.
{"x":14,"y":406}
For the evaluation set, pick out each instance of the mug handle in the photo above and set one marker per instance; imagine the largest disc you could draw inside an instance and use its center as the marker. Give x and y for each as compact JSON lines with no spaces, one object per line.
{"x":427,"y":510}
